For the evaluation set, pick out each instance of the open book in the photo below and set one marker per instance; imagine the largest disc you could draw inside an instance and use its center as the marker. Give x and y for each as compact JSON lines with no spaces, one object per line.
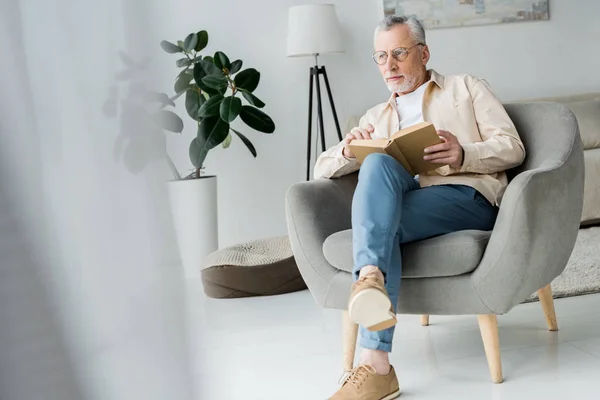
{"x":406,"y":146}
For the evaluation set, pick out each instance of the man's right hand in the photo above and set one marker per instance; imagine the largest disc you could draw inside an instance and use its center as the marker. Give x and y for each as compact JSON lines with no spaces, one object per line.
{"x":356,"y":133}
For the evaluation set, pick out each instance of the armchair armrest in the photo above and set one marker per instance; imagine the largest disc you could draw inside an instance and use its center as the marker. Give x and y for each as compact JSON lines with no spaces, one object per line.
{"x":315,"y":210}
{"x":535,"y":231}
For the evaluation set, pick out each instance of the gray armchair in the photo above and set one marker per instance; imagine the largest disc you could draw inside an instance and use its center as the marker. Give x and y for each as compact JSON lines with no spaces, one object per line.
{"x":467,"y":272}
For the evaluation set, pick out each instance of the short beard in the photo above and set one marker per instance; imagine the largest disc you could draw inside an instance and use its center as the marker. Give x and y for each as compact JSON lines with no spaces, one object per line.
{"x":407,"y":85}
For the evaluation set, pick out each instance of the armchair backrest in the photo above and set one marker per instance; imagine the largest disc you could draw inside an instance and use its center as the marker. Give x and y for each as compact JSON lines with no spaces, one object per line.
{"x":547,"y":131}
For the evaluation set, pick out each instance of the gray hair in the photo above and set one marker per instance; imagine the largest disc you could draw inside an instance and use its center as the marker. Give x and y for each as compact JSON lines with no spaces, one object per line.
{"x":416,"y":28}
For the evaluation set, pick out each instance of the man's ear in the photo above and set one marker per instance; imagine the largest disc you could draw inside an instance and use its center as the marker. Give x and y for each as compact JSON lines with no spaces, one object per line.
{"x":425,"y":55}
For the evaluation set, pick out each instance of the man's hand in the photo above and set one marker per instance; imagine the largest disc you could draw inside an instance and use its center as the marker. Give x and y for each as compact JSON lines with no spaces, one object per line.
{"x":356,"y":133}
{"x":450,"y":152}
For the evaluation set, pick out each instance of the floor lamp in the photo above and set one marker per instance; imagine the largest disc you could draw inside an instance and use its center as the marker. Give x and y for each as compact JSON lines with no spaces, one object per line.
{"x":314,"y":30}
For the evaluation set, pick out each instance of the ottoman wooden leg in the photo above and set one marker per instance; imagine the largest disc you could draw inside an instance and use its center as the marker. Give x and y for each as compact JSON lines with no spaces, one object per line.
{"x":424,"y":320}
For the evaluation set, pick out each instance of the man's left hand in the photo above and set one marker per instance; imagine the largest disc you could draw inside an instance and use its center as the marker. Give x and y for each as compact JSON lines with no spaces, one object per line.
{"x":450,"y":152}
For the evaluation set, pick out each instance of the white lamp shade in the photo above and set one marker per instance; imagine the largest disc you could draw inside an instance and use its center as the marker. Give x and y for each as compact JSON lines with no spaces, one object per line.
{"x":313,"y":29}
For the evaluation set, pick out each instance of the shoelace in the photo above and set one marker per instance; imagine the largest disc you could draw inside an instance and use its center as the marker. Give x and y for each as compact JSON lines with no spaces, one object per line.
{"x":357,"y":375}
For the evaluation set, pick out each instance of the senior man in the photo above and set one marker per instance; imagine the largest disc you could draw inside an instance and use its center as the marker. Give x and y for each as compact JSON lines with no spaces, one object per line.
{"x":390,"y":207}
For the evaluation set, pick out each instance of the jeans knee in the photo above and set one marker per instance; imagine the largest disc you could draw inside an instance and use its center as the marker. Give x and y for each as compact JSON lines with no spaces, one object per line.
{"x":375,"y":162}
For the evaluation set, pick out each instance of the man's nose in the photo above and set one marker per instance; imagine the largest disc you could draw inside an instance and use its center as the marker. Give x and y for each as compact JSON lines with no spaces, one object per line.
{"x":390,"y":64}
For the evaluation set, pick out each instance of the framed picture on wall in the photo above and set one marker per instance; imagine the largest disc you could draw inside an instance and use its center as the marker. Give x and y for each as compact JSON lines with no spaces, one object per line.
{"x":451,"y":13}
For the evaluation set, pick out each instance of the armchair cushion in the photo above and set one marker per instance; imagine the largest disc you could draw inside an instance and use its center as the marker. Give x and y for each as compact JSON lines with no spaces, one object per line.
{"x":452,"y":254}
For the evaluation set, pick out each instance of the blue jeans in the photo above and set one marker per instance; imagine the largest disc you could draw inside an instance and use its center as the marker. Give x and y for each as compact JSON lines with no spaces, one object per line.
{"x":390,"y":209}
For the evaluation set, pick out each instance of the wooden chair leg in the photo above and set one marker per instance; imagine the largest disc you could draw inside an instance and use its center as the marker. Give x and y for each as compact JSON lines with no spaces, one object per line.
{"x":350,"y":334}
{"x":488,"y":325}
{"x":545,"y":295}
{"x":424,"y":320}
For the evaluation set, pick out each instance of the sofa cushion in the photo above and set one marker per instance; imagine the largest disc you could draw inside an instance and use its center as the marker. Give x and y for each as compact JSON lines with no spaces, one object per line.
{"x":591,"y":192}
{"x":447,"y":255}
{"x":588,"y":118}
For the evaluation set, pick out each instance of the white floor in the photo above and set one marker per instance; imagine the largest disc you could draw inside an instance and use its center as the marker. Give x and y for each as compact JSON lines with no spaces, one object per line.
{"x":286,"y":347}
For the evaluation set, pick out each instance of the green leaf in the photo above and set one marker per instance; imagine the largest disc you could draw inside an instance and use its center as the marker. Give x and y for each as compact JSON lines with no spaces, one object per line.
{"x":257,"y":119}
{"x":247,"y":79}
{"x":199,"y":74}
{"x":211,"y":107}
{"x":247,"y":142}
{"x":210,"y":68}
{"x":197,"y":154}
{"x":183,"y":62}
{"x":230,"y":108}
{"x":190,"y":42}
{"x":186,"y":71}
{"x":222,"y":61}
{"x":202,"y":40}
{"x":235,"y":67}
{"x":211,"y":132}
{"x":170,"y":47}
{"x":208,"y":89}
{"x":169,"y":120}
{"x":180,"y":44}
{"x":193,"y":101}
{"x":215,"y":81}
{"x":183,"y":82}
{"x":252,"y":99}
{"x":227,"y":141}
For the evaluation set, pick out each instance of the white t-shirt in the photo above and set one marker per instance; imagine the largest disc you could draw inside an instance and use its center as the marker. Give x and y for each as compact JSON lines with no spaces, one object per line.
{"x":410,"y":107}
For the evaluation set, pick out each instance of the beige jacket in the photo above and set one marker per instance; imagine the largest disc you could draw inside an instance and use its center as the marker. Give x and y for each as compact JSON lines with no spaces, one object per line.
{"x":466,"y":107}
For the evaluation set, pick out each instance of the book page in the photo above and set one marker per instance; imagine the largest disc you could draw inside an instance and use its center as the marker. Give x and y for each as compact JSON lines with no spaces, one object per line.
{"x":413,"y":141}
{"x":394,"y":151}
{"x":411,"y":129}
{"x":361,"y":148}
{"x":369,"y":143}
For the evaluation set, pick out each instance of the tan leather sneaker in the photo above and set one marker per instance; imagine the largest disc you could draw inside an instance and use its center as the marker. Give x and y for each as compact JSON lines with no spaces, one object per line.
{"x":370,"y":305}
{"x":364,"y":384}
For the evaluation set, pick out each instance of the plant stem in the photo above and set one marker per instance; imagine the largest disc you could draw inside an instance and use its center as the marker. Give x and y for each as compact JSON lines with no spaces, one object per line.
{"x":173,"y":168}
{"x":198,"y":173}
{"x":233,"y":87}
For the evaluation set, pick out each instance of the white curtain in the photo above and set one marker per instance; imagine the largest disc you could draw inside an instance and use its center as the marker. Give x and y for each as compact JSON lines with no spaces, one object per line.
{"x":92,"y":301}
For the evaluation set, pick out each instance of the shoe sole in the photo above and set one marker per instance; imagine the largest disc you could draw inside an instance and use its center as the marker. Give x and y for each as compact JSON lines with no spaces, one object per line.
{"x":371,"y":308}
{"x":392,"y":396}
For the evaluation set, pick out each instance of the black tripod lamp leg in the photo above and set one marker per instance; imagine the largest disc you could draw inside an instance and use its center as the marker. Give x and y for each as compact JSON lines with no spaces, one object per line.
{"x":320,"y":109}
{"x":335,"y":118}
{"x":310,"y":109}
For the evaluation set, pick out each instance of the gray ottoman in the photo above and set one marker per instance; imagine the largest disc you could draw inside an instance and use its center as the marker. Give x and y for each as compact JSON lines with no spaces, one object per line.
{"x":258,"y":268}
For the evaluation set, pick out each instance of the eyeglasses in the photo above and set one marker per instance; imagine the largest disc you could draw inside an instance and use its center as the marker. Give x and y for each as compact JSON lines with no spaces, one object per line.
{"x":399,"y":54}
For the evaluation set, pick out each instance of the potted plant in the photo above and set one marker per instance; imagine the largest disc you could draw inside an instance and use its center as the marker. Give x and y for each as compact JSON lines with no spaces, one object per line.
{"x":213,"y":87}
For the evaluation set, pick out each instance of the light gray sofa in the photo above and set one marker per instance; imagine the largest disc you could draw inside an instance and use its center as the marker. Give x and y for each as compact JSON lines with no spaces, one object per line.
{"x":468,"y":272}
{"x":586,"y":108}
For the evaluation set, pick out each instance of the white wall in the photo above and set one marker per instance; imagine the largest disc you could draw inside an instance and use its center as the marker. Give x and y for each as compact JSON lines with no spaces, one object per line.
{"x":521,"y":60}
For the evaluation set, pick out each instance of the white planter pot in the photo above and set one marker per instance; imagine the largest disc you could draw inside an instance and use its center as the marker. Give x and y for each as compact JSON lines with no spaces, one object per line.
{"x":194,"y":210}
